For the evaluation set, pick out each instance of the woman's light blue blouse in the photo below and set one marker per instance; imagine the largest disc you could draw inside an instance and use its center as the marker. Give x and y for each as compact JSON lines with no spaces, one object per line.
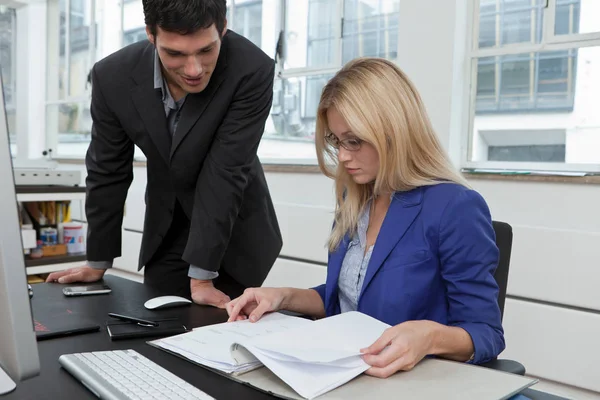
{"x":354,"y":266}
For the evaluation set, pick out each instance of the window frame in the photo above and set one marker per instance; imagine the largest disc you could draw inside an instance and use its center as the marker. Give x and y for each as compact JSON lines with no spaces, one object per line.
{"x":548,"y":42}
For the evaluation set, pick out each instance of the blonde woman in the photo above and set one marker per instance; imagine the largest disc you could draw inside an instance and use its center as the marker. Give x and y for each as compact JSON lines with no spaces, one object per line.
{"x":412,"y":245}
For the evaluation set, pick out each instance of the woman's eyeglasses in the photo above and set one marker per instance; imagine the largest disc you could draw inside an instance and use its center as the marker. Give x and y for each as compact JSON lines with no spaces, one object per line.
{"x":350,"y":144}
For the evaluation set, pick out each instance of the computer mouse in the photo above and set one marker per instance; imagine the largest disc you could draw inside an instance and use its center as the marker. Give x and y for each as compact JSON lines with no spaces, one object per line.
{"x":166,"y":302}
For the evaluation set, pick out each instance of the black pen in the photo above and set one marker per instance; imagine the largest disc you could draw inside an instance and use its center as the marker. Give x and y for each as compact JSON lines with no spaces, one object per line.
{"x":133,"y":319}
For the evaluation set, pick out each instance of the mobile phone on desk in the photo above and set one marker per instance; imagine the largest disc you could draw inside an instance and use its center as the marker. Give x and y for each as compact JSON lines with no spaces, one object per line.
{"x":86,"y":290}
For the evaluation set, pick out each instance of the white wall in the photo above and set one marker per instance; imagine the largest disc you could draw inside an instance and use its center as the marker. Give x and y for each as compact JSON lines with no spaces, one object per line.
{"x":553,"y":324}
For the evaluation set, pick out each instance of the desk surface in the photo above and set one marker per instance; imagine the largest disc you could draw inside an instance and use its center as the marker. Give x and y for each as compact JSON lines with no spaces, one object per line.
{"x":128,"y":298}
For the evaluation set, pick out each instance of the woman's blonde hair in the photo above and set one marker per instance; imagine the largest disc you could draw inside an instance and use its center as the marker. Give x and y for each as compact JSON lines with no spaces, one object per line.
{"x":382,"y":107}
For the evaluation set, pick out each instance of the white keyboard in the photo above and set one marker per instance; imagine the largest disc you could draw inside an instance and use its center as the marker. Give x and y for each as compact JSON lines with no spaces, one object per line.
{"x":127,"y":375}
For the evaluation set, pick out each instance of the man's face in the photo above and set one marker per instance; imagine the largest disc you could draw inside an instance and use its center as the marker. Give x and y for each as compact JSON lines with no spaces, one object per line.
{"x":188,"y":60}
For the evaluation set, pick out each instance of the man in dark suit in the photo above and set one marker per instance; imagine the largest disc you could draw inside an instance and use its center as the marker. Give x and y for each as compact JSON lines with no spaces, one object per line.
{"x":194,"y":99}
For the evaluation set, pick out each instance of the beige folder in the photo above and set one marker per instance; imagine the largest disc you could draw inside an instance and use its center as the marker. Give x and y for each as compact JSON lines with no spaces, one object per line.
{"x":430,"y":379}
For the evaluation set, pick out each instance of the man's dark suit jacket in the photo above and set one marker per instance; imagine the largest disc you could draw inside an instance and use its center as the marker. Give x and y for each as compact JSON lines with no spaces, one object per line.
{"x":209,"y":165}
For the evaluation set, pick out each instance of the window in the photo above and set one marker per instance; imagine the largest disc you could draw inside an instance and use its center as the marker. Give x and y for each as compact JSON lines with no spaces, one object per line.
{"x":7,"y":63}
{"x":370,"y":29}
{"x":132,"y":22}
{"x":247,"y":19}
{"x":532,"y":82}
{"x":134,"y":35}
{"x":536,"y":77}
{"x":310,"y":39}
{"x":71,"y":55}
{"x":319,"y":36}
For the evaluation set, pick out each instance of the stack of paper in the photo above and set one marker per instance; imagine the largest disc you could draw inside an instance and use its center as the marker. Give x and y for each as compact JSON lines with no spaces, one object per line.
{"x":319,"y":357}
{"x":212,"y":345}
{"x":312,"y":357}
{"x":306,"y":359}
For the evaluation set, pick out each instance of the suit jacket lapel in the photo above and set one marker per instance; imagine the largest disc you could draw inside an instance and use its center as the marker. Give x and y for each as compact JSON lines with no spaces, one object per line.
{"x":404,"y":208}
{"x":196,"y":103}
{"x":193,"y":108}
{"x":148,"y":103}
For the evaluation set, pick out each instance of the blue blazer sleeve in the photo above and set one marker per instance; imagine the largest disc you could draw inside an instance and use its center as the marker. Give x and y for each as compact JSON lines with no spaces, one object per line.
{"x":321,"y":290}
{"x":469,"y":257}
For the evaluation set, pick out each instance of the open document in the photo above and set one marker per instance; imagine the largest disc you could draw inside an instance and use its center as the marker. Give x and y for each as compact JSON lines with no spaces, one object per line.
{"x":312,"y":357}
{"x":305,"y":359}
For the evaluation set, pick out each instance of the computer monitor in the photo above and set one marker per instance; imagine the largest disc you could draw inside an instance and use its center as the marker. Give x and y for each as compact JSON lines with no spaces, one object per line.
{"x":19,"y":358}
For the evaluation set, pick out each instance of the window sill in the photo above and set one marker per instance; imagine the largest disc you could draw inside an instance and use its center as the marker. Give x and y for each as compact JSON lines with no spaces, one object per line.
{"x":591,"y":179}
{"x":81,"y":161}
{"x":267,"y":166}
{"x":314,"y":169}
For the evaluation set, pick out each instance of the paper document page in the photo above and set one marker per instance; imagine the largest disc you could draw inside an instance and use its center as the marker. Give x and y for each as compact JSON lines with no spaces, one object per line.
{"x":325,"y":340}
{"x":318,"y":358}
{"x":311,"y":380}
{"x":211,"y":345}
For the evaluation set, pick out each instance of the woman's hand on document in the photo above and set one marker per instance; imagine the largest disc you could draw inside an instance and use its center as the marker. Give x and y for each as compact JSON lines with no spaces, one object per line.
{"x":399,"y":348}
{"x":254,"y":303}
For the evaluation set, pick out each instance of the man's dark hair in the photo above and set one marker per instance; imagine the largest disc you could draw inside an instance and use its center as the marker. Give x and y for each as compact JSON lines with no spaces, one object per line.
{"x":184,"y":16}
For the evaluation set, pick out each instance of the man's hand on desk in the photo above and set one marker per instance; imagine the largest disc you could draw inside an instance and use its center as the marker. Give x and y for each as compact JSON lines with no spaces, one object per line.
{"x":204,"y":292}
{"x":80,"y":274}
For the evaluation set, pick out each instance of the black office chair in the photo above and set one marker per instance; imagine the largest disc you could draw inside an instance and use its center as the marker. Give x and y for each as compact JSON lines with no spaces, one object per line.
{"x":504,"y":238}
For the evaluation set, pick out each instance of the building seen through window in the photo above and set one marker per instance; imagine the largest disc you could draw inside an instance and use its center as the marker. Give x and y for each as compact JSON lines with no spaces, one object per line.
{"x":535,"y":87}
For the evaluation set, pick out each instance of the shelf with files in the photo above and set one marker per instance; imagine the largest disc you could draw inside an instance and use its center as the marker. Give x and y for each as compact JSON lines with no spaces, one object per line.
{"x":50,"y":193}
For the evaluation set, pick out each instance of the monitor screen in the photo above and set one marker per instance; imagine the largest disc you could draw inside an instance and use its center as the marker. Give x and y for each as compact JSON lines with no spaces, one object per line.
{"x":18,"y":347}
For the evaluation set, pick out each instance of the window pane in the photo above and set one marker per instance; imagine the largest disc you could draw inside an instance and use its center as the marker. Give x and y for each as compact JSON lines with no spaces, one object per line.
{"x":290,"y":129}
{"x":486,"y":83}
{"x":7,"y":62}
{"x":577,"y":16}
{"x":310,"y":33}
{"x":516,"y":82}
{"x":516,"y":27}
{"x":534,"y":153}
{"x":487,"y":29}
{"x":74,"y":51}
{"x":72,"y":122}
{"x":370,"y":29}
{"x":554,"y":77}
{"x":134,"y":35}
{"x":503,"y":22}
{"x":134,"y":27}
{"x":535,"y":82}
{"x":247,"y":20}
{"x":79,"y":49}
{"x":539,"y":107}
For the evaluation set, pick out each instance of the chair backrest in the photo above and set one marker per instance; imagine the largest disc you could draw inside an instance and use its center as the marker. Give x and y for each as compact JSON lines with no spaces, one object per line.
{"x":504,"y":238}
